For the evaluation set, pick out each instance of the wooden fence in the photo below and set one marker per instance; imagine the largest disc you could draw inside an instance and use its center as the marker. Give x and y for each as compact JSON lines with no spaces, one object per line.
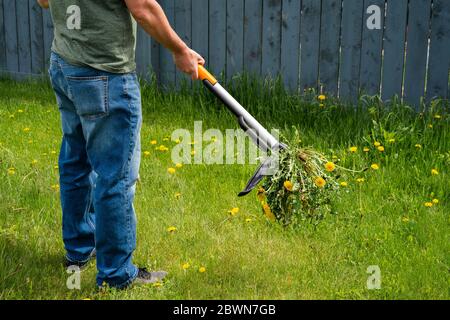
{"x":331,"y":45}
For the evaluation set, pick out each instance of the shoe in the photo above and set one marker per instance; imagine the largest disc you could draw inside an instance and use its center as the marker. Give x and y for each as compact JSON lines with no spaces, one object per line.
{"x":80,"y":265}
{"x":145,"y":277}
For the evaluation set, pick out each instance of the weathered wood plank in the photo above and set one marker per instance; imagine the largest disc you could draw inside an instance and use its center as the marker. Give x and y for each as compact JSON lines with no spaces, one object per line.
{"x":290,"y":43}
{"x":372,"y":45}
{"x":252,"y":36}
{"x":48,"y":36}
{"x":271,"y":46}
{"x":438,"y":79}
{"x":183,"y":26}
{"x":166,"y":65}
{"x":2,"y":39}
{"x":310,"y":40}
{"x":217,"y":36}
{"x":37,"y":38}
{"x":352,"y":18}
{"x":12,"y":50}
{"x":417,"y":48}
{"x":200,"y":29}
{"x":394,"y":49}
{"x":143,"y":54}
{"x":23,"y":36}
{"x":330,"y":45}
{"x":235,"y":37}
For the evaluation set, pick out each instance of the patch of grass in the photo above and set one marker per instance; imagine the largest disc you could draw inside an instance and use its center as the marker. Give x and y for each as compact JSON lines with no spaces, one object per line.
{"x":380,"y":220}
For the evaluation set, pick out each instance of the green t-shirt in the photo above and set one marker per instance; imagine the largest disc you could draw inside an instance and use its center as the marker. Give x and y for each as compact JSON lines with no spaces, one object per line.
{"x":96,"y":33}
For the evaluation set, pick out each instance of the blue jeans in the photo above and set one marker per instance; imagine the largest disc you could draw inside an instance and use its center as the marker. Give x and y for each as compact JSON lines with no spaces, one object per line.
{"x":99,"y":165}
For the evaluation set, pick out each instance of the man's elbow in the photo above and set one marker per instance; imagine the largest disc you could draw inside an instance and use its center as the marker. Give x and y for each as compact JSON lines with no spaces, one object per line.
{"x":142,"y":10}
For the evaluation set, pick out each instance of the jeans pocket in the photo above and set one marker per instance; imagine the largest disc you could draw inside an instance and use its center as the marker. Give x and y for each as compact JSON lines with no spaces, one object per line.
{"x":89,"y":95}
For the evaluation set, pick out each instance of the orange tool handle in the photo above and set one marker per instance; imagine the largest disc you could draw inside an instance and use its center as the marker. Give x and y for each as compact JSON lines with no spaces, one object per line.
{"x":204,"y":74}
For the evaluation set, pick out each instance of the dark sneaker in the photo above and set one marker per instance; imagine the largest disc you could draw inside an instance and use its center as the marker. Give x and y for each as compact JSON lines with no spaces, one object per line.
{"x":146,"y":277}
{"x":81,"y":265}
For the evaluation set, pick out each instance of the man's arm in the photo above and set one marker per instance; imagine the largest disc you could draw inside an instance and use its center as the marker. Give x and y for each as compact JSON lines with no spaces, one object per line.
{"x":43,"y":3}
{"x":151,"y":17}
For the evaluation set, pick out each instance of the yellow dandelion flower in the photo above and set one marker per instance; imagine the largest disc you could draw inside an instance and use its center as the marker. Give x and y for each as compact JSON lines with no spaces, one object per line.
{"x":434,"y":172}
{"x":438,"y":116}
{"x":177,"y":141}
{"x":56,"y":167}
{"x":288,"y":185}
{"x":418,"y":146}
{"x":381,"y":148}
{"x":268,"y":212}
{"x":179,"y":165}
{"x":234,"y":211}
{"x":153,"y":142}
{"x":157,"y":284}
{"x":375,"y":166}
{"x":186,"y":266}
{"x":11,"y":171}
{"x":330,"y":166}
{"x":162,"y":148}
{"x":405,"y":219}
{"x":430,"y":126}
{"x":248,"y":220}
{"x":171,"y":170}
{"x":202,"y":269}
{"x":320,"y":182}
{"x":26,"y":129}
{"x":366,"y":149}
{"x":177,"y":195}
{"x":360,"y":180}
{"x":428,"y":204}
{"x":193,"y":153}
{"x":34,"y":162}
{"x":55,"y":187}
{"x":376,"y":144}
{"x":20,"y":111}
{"x":353,"y":149}
{"x":391,"y":140}
{"x":171,"y":229}
{"x":344,"y":184}
{"x":147,"y":153}
{"x":166,"y":139}
{"x":322,"y":97}
{"x":435,"y":201}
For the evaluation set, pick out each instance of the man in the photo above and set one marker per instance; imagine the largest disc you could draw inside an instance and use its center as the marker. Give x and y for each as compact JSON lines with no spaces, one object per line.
{"x":92,"y":73}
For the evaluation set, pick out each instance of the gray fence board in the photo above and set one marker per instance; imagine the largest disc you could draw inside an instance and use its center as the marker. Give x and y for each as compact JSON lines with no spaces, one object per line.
{"x":12,"y":53}
{"x":351,"y":49}
{"x":235,"y":37}
{"x":167,"y":68}
{"x":200,"y":27}
{"x":310,"y":40}
{"x":417,"y":47}
{"x":217,"y":35}
{"x":253,"y":36}
{"x":394,"y":49}
{"x":330,"y":46}
{"x":23,"y":36}
{"x":48,"y":35}
{"x":143,"y":54}
{"x":290,"y":48}
{"x":36,"y":38}
{"x":2,"y":39}
{"x":371,"y":54}
{"x":271,"y":40}
{"x":183,"y":26}
{"x":438,"y":79}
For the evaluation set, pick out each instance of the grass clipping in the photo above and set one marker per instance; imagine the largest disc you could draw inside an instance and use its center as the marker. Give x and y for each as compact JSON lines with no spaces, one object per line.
{"x":302,"y":188}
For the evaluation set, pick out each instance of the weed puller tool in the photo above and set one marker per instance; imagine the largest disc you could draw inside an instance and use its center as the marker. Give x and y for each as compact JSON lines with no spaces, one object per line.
{"x":258,"y":134}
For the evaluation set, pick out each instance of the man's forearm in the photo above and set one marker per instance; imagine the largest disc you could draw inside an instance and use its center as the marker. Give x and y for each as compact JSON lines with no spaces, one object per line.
{"x":151,"y":17}
{"x":43,"y":3}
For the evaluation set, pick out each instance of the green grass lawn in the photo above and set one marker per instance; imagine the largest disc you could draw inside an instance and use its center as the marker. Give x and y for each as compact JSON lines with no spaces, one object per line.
{"x":380,"y":221}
